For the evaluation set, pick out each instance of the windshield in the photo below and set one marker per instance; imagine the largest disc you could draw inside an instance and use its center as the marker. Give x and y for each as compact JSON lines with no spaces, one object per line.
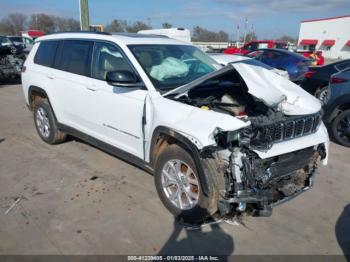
{"x":171,"y":66}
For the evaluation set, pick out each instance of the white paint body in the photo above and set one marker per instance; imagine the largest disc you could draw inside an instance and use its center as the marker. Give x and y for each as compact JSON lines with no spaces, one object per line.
{"x":88,"y":104}
{"x":337,"y":29}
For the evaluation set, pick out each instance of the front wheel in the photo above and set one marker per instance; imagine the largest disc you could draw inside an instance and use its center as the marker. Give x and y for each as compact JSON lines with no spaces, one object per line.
{"x":179,"y":186}
{"x":341,"y":128}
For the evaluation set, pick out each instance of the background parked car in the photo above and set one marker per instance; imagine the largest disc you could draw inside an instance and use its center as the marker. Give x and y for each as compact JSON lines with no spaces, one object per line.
{"x":255,"y":45}
{"x":11,"y":59}
{"x":296,"y":65}
{"x":317,"y":78}
{"x":337,"y":107}
{"x":307,"y":53}
{"x":8,"y":47}
{"x":25,"y":42}
{"x":225,"y":59}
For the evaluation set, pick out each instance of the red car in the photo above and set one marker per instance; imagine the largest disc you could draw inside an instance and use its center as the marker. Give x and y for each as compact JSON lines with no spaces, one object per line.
{"x":255,"y":45}
{"x":307,"y":53}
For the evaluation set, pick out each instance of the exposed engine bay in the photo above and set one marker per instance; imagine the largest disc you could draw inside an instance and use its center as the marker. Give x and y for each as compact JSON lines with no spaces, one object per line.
{"x":246,"y":182}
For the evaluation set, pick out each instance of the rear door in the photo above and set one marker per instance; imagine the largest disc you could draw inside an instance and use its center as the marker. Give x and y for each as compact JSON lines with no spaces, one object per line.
{"x":71,"y":82}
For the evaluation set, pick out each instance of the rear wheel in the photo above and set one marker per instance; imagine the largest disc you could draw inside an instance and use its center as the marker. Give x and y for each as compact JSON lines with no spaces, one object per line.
{"x":46,"y":125}
{"x":179,"y":186}
{"x":341,"y":128}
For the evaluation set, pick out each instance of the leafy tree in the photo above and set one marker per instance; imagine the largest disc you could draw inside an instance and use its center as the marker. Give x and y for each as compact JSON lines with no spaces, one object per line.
{"x":166,"y":25}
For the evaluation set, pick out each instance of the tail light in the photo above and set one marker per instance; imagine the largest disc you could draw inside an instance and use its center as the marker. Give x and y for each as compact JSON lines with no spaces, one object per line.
{"x":24,"y":68}
{"x":309,"y":74}
{"x":337,"y":80}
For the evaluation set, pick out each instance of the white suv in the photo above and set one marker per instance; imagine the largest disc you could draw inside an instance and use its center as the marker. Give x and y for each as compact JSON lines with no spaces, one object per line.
{"x":225,"y":140}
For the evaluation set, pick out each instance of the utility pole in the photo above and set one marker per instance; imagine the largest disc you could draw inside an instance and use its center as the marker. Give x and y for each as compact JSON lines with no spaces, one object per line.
{"x":245,"y":29}
{"x":84,"y":15}
{"x":237,"y":42}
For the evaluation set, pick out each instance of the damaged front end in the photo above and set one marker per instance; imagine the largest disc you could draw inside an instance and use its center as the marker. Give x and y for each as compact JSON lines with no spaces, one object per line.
{"x":275,"y":156}
{"x":254,"y":185}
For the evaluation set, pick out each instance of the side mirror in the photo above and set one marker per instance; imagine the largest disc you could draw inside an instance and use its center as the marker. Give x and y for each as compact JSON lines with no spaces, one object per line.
{"x":123,"y":78}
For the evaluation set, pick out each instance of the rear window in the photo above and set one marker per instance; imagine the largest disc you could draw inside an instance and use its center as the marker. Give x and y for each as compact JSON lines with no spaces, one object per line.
{"x":46,"y":53}
{"x":75,"y":57}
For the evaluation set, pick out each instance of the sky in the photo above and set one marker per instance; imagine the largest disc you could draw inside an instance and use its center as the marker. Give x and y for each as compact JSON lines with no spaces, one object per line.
{"x":267,"y":18}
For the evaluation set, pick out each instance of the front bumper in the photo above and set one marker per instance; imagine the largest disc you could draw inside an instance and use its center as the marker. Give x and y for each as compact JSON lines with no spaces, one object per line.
{"x":317,"y":138}
{"x":273,"y":181}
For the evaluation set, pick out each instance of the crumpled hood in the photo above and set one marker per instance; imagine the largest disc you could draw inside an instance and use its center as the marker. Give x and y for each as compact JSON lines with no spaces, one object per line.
{"x":272,"y":89}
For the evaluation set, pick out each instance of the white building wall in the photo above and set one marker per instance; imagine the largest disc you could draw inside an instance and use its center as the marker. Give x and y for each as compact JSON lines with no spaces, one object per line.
{"x":337,"y":29}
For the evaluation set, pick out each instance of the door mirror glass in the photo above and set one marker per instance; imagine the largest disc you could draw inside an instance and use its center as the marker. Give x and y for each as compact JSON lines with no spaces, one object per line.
{"x":122,"y":78}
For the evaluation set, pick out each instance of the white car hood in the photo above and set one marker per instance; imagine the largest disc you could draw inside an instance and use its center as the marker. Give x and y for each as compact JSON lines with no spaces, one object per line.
{"x":272,"y":89}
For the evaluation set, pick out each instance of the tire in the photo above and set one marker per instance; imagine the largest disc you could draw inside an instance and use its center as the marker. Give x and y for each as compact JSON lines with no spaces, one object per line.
{"x":342,"y":122}
{"x":321,"y":93}
{"x":204,"y":205}
{"x":46,"y":125}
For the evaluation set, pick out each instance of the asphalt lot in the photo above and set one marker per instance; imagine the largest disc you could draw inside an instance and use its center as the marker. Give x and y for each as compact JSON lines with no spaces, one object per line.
{"x":62,"y":211}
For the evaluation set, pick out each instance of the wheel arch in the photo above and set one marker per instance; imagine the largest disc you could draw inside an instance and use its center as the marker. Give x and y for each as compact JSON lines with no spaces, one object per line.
{"x":36,"y":93}
{"x":33,"y":92}
{"x":164,"y":136}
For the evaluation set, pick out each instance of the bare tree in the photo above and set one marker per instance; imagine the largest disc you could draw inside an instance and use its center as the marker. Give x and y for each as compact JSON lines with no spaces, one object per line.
{"x":202,"y":34}
{"x":13,"y":24}
{"x":42,"y":22}
{"x":137,"y":26}
{"x":66,"y":24}
{"x":116,"y":26}
{"x":166,"y":25}
{"x":249,"y":37}
{"x":288,"y":38}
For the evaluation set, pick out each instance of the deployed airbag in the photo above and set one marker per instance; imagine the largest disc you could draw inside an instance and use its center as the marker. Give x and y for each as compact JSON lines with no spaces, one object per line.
{"x":169,"y":68}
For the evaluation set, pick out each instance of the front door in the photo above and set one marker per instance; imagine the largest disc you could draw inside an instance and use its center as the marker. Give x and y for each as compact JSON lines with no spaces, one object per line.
{"x":116,"y":112}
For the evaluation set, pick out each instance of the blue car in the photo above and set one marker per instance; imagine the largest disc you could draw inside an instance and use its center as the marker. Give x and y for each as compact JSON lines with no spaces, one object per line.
{"x":296,"y":65}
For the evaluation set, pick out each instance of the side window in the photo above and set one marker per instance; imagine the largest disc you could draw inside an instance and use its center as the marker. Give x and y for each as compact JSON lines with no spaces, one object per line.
{"x":45,"y":54}
{"x":107,"y":57}
{"x":28,"y":41}
{"x":75,"y":57}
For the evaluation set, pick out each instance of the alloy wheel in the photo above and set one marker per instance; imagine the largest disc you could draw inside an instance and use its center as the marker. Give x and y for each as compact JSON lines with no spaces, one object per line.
{"x":42,"y":122}
{"x":180,"y":184}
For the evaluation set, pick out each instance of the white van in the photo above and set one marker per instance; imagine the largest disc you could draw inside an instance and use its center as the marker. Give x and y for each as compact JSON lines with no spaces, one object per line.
{"x":180,"y":34}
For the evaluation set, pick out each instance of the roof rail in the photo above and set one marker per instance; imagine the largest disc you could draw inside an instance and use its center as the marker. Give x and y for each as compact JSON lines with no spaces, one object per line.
{"x":80,"y":32}
{"x":137,"y":35}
